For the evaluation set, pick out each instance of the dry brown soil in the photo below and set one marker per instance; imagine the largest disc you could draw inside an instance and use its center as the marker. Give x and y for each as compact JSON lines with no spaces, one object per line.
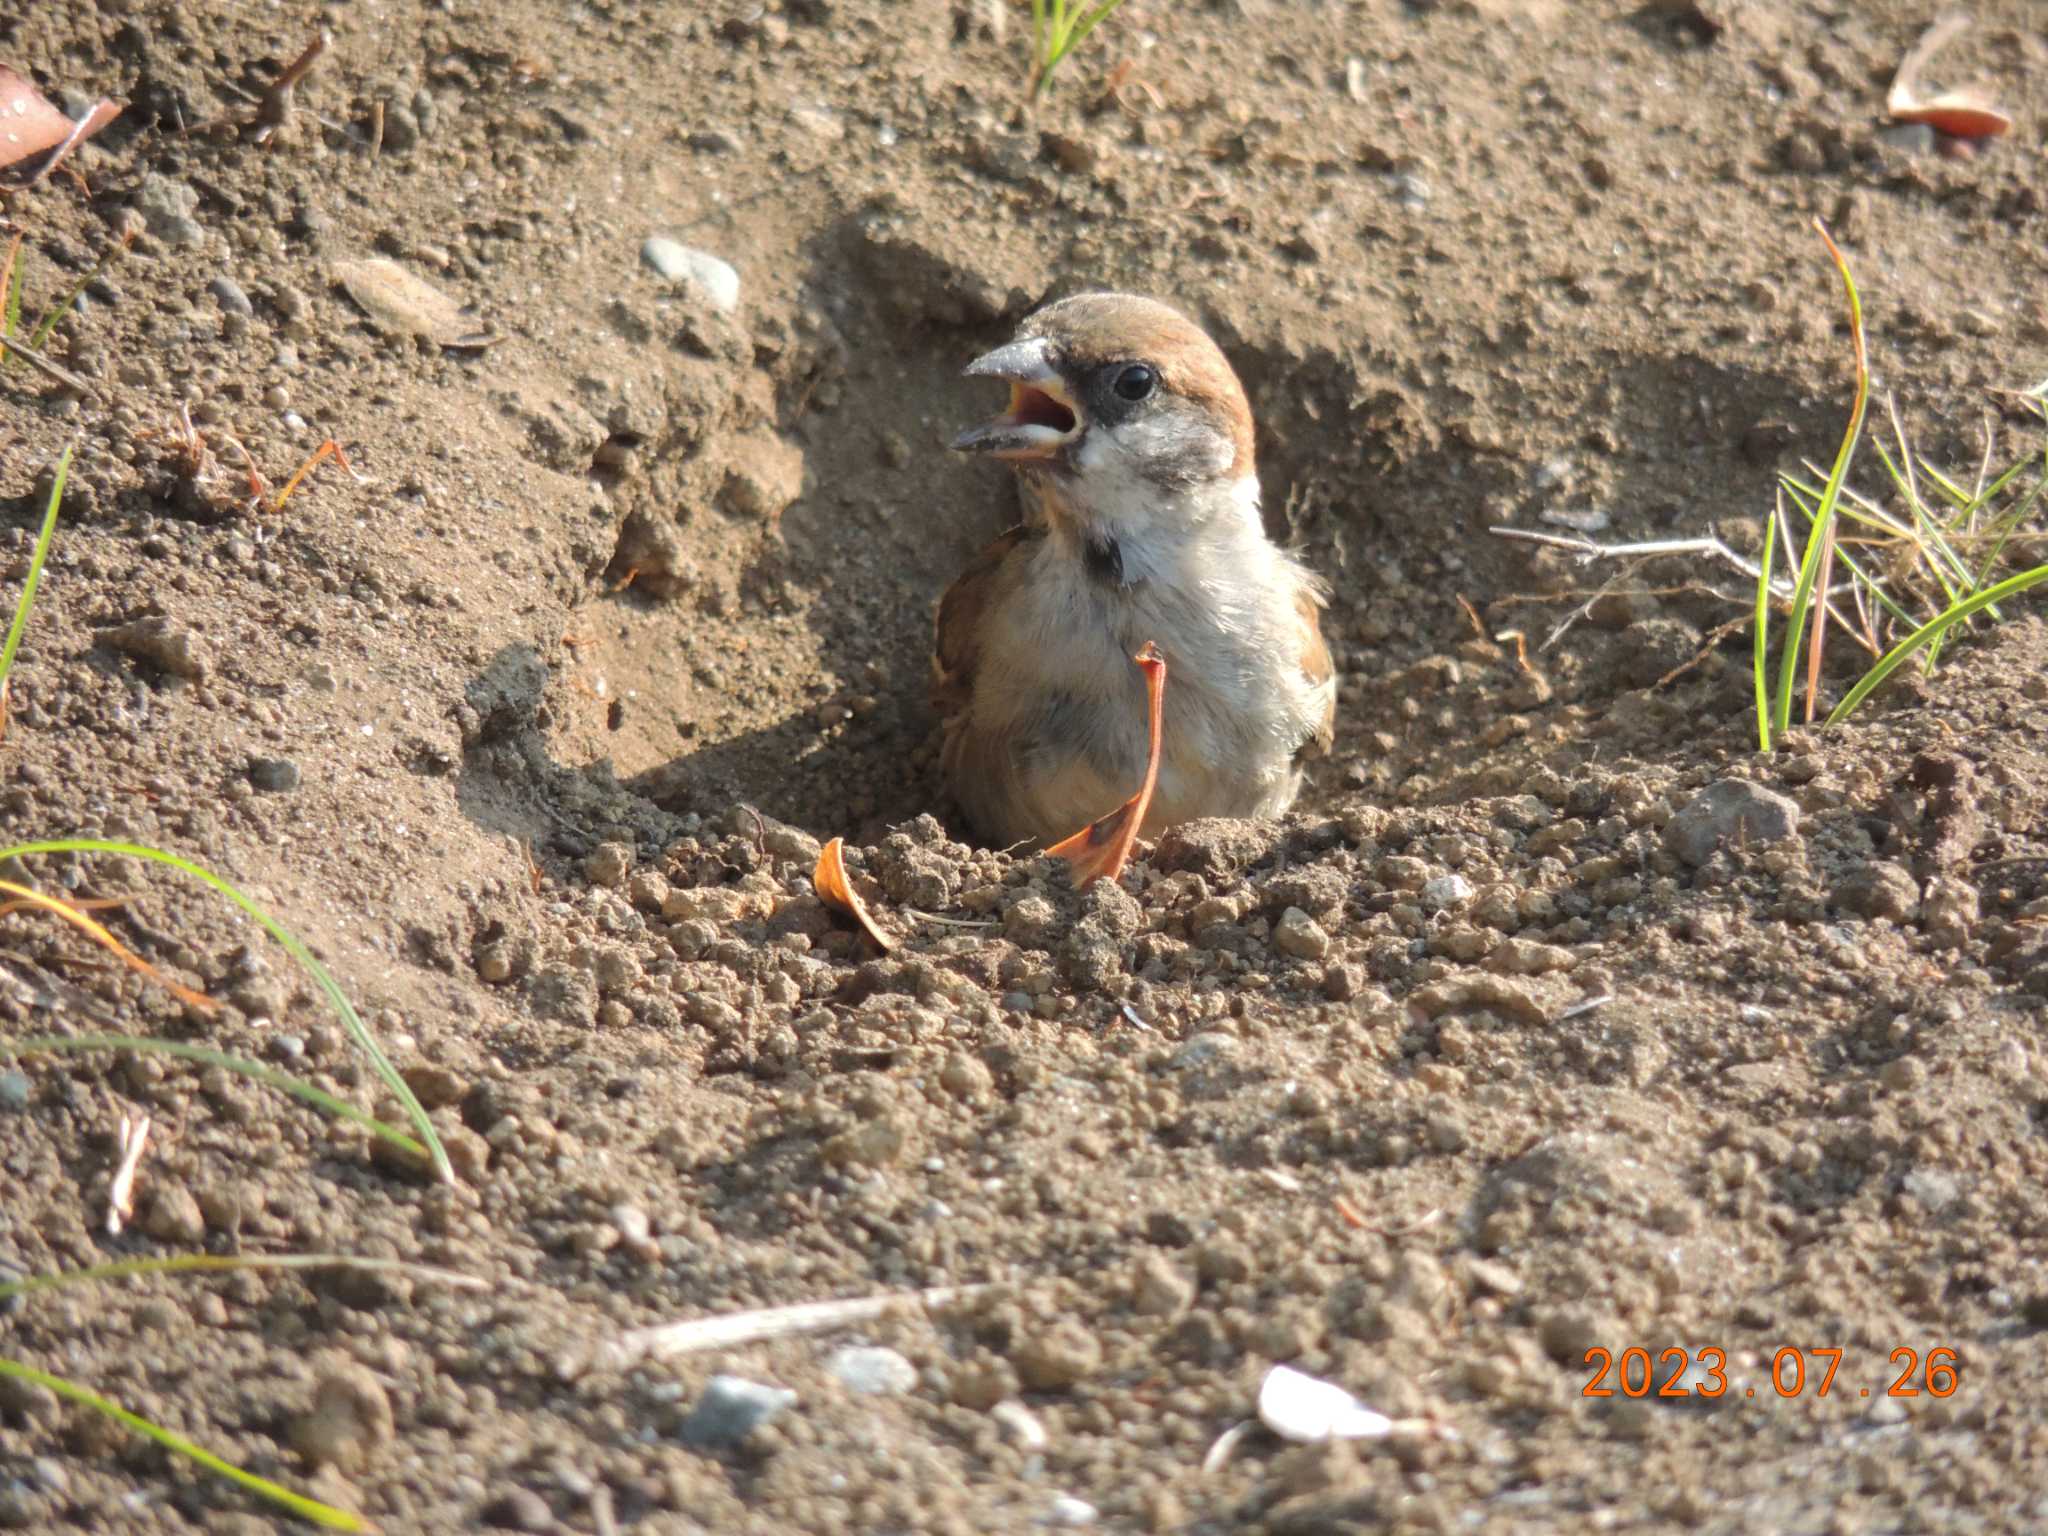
{"x":1517,"y":1079}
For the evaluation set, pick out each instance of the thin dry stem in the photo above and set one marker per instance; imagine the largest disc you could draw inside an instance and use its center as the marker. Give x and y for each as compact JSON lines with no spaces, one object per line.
{"x":665,"y":1341}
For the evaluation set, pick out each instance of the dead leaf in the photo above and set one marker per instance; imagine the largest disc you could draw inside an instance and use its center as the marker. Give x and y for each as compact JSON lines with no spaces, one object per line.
{"x":30,"y":124}
{"x":1100,"y":849}
{"x":400,"y":303}
{"x":835,"y":890}
{"x":1964,"y":114}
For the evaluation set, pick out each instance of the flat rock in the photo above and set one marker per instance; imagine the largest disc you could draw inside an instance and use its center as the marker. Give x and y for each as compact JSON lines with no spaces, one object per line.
{"x":709,"y":276}
{"x":401,"y":303}
{"x":1733,"y":813}
{"x":175,"y":647}
{"x":872,"y":1371}
{"x":731,"y":1409}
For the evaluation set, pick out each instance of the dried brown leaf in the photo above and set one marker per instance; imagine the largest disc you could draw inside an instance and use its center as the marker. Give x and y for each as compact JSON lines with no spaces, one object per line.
{"x":1100,"y":849}
{"x":829,"y":880}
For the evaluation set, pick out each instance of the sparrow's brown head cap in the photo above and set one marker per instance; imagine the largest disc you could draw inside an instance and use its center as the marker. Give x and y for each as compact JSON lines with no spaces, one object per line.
{"x":1092,"y":330}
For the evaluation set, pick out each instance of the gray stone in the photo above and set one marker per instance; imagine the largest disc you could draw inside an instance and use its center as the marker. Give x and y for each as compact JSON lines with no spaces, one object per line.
{"x":167,"y":207}
{"x":277,"y":775}
{"x":228,"y":294}
{"x":1020,"y":1426}
{"x":872,"y":1371}
{"x":1410,"y":191}
{"x":1879,"y":889}
{"x":14,"y":1092}
{"x":731,"y":1409}
{"x":401,"y":129}
{"x":519,"y":1509}
{"x":1300,"y":935}
{"x":175,"y":647}
{"x":1733,"y":813}
{"x":1446,"y":891}
{"x":700,"y":271}
{"x":608,"y":864}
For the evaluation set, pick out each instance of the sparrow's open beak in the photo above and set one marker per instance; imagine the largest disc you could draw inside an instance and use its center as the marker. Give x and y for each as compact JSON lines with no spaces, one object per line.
{"x":1041,"y":418}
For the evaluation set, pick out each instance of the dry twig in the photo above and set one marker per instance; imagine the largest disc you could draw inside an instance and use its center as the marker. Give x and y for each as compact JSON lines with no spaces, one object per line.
{"x":665,"y":1341}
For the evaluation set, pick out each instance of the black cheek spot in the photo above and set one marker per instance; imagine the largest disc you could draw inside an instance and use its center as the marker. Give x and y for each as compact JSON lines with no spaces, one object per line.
{"x":1104,"y":558}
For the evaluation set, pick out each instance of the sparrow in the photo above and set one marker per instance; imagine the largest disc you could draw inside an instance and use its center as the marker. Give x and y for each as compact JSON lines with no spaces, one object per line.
{"x":1132,"y":441}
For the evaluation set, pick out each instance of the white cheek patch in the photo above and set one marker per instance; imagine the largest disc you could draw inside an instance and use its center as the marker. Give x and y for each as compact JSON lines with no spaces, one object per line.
{"x":1244,"y":495}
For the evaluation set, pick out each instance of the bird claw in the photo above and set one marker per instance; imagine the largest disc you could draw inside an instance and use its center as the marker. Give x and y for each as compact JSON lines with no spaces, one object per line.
{"x":1100,"y":850}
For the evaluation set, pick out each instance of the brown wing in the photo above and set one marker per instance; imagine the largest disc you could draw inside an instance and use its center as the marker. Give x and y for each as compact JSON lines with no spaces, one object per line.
{"x":1317,"y":668}
{"x":956,"y":650}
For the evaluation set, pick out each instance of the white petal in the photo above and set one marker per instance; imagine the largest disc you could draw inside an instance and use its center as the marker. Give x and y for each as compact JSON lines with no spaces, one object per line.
{"x":1299,"y":1407}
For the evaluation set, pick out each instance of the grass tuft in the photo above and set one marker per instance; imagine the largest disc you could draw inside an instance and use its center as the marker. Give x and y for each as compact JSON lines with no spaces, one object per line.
{"x":1057,"y":29}
{"x":1930,"y":545}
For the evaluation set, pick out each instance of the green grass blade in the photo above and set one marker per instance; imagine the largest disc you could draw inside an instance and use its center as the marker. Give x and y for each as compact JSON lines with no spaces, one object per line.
{"x":1927,"y":533}
{"x":1855,"y":507}
{"x":305,"y":1508}
{"x":2006,"y":527}
{"x":1875,"y":588}
{"x":35,"y":564}
{"x":1090,"y":22}
{"x":1761,"y":640}
{"x":1929,"y":632}
{"x":351,"y":1020}
{"x":1818,"y":541}
{"x":284,"y":1082}
{"x":217,"y":1263}
{"x":10,"y":312}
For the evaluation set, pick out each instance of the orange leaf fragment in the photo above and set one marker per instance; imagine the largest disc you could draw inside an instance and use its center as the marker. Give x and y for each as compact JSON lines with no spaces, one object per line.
{"x":1959,"y":114}
{"x":329,"y":449}
{"x":30,"y":124}
{"x":835,"y":890}
{"x":1101,"y":848}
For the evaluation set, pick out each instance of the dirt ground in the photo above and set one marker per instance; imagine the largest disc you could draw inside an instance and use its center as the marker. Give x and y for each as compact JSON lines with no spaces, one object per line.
{"x":1493,"y":1053}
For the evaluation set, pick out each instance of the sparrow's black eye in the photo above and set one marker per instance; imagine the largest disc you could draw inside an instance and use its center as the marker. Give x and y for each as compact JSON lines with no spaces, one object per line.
{"x":1137,"y":381}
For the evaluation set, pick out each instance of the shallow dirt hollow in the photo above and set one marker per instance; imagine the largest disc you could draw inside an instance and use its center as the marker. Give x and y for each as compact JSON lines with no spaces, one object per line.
{"x":1492,"y":1054}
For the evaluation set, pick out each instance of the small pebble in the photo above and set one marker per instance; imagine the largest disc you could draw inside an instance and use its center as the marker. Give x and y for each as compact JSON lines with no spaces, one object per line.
{"x":276,"y":775}
{"x":1070,"y":1512}
{"x":1446,"y":891}
{"x":230,"y":296}
{"x":349,"y":1422}
{"x":167,"y":207}
{"x":170,"y":1214}
{"x":1733,"y":813}
{"x":1020,"y":1426}
{"x":14,"y":1091}
{"x":1300,"y":935}
{"x":699,"y":270}
{"x":1411,"y":191}
{"x":609,"y":864}
{"x":872,"y":1371}
{"x":731,"y":1409}
{"x":519,"y":1509}
{"x":174,"y":647}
